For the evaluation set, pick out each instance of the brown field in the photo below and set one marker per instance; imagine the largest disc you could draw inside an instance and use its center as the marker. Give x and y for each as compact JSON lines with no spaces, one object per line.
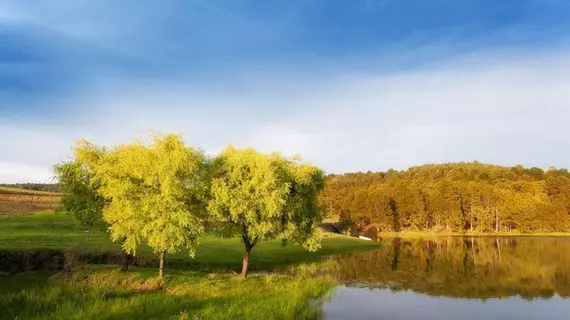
{"x":19,"y":201}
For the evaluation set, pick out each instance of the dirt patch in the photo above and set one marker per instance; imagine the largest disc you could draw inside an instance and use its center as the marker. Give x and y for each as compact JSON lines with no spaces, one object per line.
{"x":14,"y":204}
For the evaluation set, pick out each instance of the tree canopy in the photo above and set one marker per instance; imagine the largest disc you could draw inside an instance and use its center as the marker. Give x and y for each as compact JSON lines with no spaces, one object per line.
{"x":454,"y":197}
{"x":81,"y":197}
{"x":260,"y":197}
{"x":155,"y":192}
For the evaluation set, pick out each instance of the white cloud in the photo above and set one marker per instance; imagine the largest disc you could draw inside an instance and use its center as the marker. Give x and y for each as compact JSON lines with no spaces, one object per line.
{"x":499,"y":108}
{"x":14,"y":172}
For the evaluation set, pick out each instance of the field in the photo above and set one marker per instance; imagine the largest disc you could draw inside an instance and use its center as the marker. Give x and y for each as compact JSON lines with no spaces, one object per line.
{"x":21,"y":201}
{"x":57,"y":231}
{"x":104,"y":292}
{"x":200,"y":288}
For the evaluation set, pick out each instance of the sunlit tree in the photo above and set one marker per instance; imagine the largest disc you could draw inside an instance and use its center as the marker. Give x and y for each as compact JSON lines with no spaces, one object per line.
{"x":260,"y":197}
{"x":155,"y":193}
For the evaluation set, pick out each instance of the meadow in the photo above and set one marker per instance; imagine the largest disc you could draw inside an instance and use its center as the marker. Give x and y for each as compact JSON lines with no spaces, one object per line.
{"x":284,"y":283}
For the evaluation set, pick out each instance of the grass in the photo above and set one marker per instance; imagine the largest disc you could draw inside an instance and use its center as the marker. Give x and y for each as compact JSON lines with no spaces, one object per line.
{"x":103,"y":292}
{"x":57,"y":231}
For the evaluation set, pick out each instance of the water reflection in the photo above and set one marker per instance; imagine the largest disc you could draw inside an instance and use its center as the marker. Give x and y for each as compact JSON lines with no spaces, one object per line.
{"x":454,"y":278}
{"x":458,"y":267}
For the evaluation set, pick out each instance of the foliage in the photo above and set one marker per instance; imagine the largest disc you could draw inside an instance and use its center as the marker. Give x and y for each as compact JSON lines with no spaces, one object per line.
{"x":261,"y":197}
{"x":452,"y":197}
{"x":154,"y":192}
{"x":81,"y":197}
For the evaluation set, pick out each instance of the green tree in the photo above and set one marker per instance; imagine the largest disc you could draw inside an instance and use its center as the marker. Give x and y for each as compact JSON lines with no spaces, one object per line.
{"x":457,"y":197}
{"x":81,"y":198}
{"x":260,"y":197}
{"x":155,"y":193}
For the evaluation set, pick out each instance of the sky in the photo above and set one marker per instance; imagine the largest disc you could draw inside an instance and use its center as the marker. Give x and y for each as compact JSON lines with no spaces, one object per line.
{"x":350,"y":85}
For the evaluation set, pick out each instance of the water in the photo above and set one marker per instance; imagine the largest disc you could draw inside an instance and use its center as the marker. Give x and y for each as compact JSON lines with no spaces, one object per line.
{"x":455,"y":278}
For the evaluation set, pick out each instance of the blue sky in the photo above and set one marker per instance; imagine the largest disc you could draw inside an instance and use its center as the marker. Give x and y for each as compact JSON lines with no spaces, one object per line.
{"x":350,"y":85}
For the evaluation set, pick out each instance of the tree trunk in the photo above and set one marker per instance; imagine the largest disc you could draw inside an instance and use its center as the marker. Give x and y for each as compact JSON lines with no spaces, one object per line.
{"x":471,"y":222}
{"x":473,"y":253}
{"x":498,"y":240}
{"x":126,"y":257}
{"x":161,"y":268}
{"x":496,"y":220}
{"x":245,"y":262}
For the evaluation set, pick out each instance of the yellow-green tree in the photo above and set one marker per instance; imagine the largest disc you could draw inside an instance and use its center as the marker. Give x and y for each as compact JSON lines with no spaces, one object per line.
{"x":260,"y":197}
{"x":155,"y":193}
{"x":81,"y":198}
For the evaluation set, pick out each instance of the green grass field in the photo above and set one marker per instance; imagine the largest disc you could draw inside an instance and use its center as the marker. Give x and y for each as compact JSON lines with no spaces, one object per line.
{"x":104,"y":292}
{"x":200,"y":288}
{"x":58,"y":231}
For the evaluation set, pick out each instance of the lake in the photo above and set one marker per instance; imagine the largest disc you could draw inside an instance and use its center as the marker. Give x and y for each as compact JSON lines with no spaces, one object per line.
{"x":454,"y":278}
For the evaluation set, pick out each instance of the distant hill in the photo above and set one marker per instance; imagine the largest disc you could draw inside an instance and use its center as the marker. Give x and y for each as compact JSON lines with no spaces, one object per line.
{"x":47,"y":187}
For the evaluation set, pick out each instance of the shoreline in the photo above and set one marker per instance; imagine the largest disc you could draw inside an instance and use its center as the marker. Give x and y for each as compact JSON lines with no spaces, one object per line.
{"x":424,"y":234}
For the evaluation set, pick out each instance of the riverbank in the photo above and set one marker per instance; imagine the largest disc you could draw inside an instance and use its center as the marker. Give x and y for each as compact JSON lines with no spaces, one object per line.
{"x":285,"y":282}
{"x":104,"y":292}
{"x":433,"y":234}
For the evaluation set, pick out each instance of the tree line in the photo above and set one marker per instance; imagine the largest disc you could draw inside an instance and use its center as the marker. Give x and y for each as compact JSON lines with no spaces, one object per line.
{"x":165,"y":195}
{"x":47,"y":187}
{"x":452,"y":197}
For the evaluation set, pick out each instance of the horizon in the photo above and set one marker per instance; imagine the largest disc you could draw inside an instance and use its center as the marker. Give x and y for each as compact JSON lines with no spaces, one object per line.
{"x":369,"y":171}
{"x":351,"y":87}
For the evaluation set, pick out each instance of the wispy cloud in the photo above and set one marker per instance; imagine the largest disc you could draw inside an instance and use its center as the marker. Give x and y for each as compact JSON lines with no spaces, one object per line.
{"x":350,"y":85}
{"x":505,"y":108}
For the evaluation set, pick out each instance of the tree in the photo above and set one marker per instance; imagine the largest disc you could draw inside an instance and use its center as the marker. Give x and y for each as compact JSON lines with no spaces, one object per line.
{"x":155,"y":193}
{"x":261,"y":197}
{"x":81,"y":198}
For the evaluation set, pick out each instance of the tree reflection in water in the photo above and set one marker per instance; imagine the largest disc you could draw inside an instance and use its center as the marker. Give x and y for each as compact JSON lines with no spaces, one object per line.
{"x":463,"y":267}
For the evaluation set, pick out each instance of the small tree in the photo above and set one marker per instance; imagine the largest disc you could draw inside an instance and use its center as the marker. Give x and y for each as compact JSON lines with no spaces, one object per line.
{"x":155,"y":193}
{"x":260,"y":197}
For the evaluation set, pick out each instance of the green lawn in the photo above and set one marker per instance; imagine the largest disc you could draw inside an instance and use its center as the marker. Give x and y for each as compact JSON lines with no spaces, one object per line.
{"x":104,"y":292}
{"x":57,"y":231}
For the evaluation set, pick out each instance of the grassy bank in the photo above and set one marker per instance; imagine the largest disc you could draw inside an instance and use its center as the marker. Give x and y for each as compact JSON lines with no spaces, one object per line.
{"x":200,"y":288}
{"x":57,"y":231}
{"x":433,"y":234}
{"x":103,"y":292}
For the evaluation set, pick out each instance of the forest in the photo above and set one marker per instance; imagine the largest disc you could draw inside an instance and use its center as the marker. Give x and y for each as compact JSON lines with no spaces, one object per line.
{"x":452,"y":197}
